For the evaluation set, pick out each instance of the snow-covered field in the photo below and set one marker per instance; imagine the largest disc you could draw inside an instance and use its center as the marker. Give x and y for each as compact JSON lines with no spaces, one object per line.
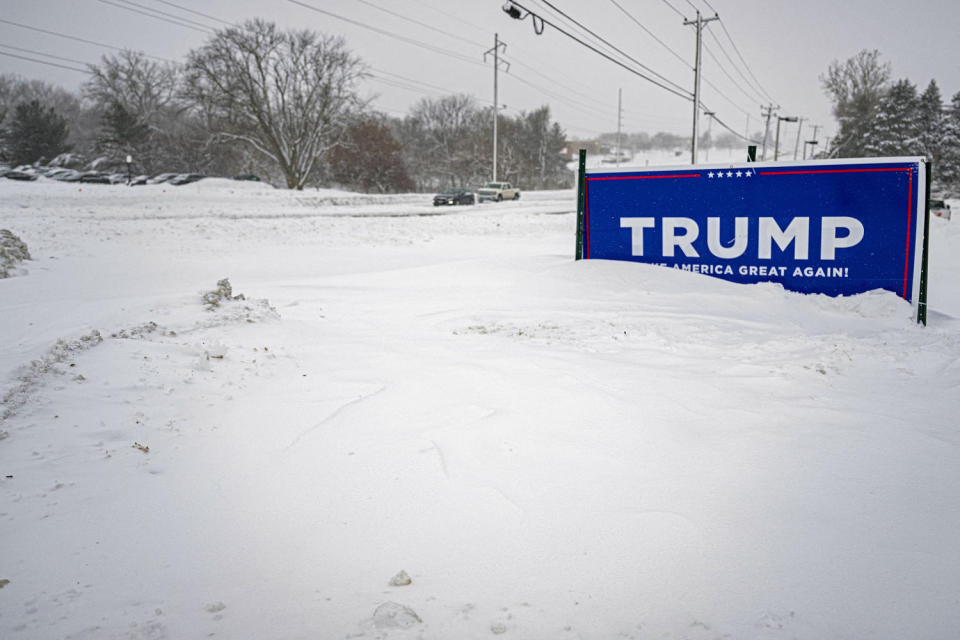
{"x":548,"y":448}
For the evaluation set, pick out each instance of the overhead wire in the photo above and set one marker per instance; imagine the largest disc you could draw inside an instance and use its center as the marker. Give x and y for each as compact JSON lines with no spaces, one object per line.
{"x":681,"y":94}
{"x":447,"y":52}
{"x":46,"y":55}
{"x":198,"y":13}
{"x":651,"y":34}
{"x":418,"y":22}
{"x":150,"y":15}
{"x":757,"y":97}
{"x":744,"y":61}
{"x":612,"y":46}
{"x":677,"y":11}
{"x":164,"y":13}
{"x":50,"y":64}
{"x":76,"y":38}
{"x":726,"y":73}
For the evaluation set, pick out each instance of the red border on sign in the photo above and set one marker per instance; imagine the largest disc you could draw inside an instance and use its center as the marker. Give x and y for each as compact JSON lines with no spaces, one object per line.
{"x":586,"y":199}
{"x":909,"y":170}
{"x":685,"y":175}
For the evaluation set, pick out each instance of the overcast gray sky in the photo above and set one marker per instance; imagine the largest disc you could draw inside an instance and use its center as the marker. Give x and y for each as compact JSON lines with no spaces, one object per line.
{"x":786,"y":46}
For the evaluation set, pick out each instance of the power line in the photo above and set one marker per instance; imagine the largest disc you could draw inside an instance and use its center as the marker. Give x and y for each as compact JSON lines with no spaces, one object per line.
{"x":725,"y":126}
{"x":164,"y":13}
{"x":652,"y":35}
{"x":615,"y":48}
{"x":150,"y":15}
{"x":677,"y":11}
{"x":417,"y":43}
{"x":50,"y":64}
{"x":418,"y":22}
{"x":743,"y":60}
{"x":725,"y":96}
{"x":729,"y":77}
{"x":75,"y":38}
{"x":203,"y":15}
{"x":757,"y":96}
{"x":681,"y":94}
{"x":46,"y":55}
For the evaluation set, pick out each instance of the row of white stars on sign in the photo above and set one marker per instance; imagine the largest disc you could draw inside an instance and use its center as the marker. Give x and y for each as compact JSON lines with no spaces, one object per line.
{"x":731,"y":174}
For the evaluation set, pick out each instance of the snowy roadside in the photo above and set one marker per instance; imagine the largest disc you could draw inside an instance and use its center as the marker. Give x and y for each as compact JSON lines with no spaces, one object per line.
{"x":548,"y":448}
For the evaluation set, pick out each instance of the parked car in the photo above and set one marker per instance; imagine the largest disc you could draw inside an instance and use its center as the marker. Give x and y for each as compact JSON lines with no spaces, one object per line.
{"x":186,"y":178}
{"x":68,"y":175}
{"x":498,"y":191}
{"x":940,"y":209}
{"x":140,"y":180}
{"x":248,"y":177}
{"x":454,"y":196}
{"x":20,"y":175}
{"x":161,"y":178}
{"x":94,"y":177}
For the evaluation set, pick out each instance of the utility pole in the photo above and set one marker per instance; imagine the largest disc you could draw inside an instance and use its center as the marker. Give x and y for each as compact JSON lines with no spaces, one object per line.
{"x":698,"y":23}
{"x":495,"y":51}
{"x":766,"y":112}
{"x":796,"y":146}
{"x":776,"y":145}
{"x":619,"y":114}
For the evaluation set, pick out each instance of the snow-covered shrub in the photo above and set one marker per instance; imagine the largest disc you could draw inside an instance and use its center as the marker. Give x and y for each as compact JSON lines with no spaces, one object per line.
{"x":13,"y":250}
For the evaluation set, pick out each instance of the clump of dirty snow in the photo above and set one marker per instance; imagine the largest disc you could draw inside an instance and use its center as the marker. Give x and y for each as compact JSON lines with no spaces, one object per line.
{"x":402,"y":579}
{"x":391,"y":615}
{"x":13,"y":251}
{"x":32,"y":373}
{"x":223,"y":293}
{"x":220,"y":300}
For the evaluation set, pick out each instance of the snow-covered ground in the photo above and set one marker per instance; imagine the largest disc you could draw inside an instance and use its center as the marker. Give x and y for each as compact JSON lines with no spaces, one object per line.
{"x":548,"y":448}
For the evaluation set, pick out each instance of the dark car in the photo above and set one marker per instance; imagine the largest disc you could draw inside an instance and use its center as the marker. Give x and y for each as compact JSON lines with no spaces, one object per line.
{"x":94,"y":177}
{"x":247,"y":177}
{"x":454,"y":196}
{"x":20,"y":175}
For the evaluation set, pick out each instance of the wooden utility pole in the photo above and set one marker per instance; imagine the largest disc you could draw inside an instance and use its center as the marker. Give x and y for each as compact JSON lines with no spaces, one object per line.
{"x":498,"y":46}
{"x":698,"y":23}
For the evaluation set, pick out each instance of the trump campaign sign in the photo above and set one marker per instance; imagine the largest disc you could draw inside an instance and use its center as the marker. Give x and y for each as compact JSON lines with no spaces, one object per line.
{"x":837,"y":227}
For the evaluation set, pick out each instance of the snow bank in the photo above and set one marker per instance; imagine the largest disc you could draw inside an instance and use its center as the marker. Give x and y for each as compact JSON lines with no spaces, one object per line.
{"x":547,"y":448}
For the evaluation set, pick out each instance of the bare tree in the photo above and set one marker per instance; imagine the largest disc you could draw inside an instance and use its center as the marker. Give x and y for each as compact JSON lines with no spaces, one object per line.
{"x":146,"y":88}
{"x":289,"y":95}
{"x":149,"y":92}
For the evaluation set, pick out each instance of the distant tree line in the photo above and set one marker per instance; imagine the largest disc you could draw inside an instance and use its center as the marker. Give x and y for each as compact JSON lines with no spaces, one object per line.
{"x":284,"y":105}
{"x":880,"y":117}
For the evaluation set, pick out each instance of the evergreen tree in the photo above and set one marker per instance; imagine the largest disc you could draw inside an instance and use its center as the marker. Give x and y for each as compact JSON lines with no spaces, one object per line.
{"x":930,"y":121}
{"x":36,"y":133}
{"x":895,"y":128}
{"x":122,"y":132}
{"x":949,"y":172}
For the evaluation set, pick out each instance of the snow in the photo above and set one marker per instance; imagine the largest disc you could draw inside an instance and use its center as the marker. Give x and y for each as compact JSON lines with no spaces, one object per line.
{"x":542,"y":447}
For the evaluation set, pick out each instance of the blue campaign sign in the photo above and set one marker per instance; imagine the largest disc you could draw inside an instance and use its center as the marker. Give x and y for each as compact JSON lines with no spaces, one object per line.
{"x":837,"y":227}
